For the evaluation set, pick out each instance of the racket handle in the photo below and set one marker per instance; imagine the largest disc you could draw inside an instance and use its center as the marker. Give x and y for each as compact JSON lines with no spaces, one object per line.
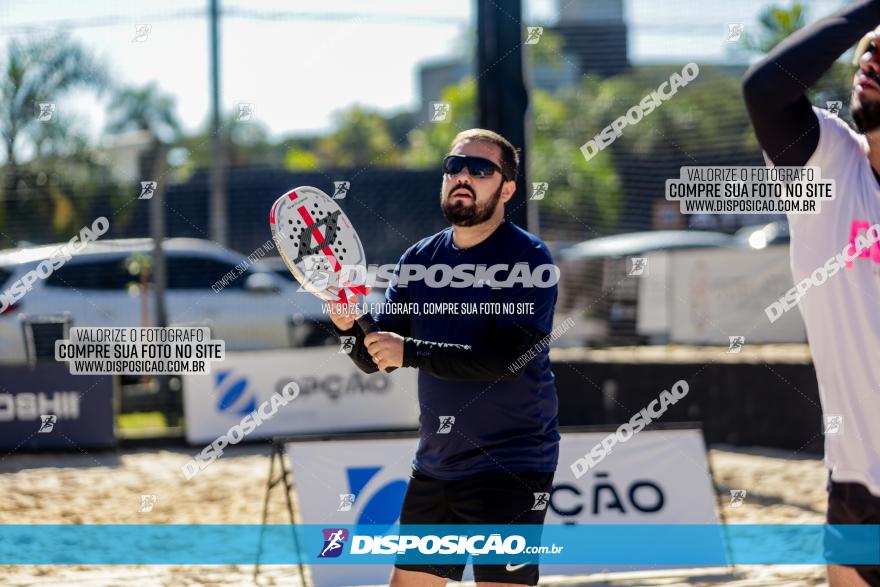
{"x":368,"y":324}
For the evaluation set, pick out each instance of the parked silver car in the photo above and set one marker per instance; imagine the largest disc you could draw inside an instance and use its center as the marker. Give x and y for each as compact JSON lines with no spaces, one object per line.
{"x":208,"y":285}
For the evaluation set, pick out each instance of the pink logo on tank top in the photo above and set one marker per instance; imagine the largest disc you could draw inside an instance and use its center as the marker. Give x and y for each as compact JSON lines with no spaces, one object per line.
{"x":860,"y":227}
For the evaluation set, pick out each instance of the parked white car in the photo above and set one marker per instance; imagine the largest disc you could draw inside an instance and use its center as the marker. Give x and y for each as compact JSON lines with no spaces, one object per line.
{"x":249,"y":309}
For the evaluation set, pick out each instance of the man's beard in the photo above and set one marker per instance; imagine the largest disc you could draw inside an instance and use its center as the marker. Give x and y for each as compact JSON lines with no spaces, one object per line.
{"x":866,"y":115}
{"x":461,"y":214}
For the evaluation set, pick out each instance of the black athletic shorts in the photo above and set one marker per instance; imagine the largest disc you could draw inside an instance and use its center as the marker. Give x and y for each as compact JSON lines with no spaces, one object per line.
{"x":507,"y":498}
{"x":852,"y":503}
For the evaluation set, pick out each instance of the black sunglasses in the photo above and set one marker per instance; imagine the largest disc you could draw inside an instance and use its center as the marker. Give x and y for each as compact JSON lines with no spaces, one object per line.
{"x":476,"y":166}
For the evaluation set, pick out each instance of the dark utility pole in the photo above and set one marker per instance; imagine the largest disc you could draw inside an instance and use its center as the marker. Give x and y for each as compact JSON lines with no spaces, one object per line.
{"x":218,"y":227}
{"x":501,"y":90}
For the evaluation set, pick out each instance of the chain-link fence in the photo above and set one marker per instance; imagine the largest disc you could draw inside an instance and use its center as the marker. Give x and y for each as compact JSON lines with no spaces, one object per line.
{"x":84,"y":141}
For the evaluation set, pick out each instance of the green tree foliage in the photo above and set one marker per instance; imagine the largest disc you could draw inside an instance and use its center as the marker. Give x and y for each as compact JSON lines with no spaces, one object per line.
{"x":777,"y":23}
{"x":144,"y":108}
{"x":298,"y":158}
{"x":57,"y":192}
{"x":704,"y":119}
{"x":547,"y":51}
{"x":362,"y":138}
{"x":44,"y":161}
{"x":589,"y":191}
{"x":429,"y":143}
{"x":40,"y":70}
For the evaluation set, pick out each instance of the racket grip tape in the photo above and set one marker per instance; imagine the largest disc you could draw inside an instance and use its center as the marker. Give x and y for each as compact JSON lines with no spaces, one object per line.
{"x":368,"y":324}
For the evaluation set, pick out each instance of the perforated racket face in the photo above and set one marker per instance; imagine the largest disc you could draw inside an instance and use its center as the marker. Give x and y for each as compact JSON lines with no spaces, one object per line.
{"x":316,"y":239}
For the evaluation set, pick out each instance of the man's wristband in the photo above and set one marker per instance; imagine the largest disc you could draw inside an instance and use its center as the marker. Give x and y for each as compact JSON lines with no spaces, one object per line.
{"x":342,"y":332}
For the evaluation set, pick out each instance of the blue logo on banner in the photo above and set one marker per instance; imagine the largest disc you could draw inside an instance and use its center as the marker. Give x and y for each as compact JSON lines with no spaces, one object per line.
{"x":383,"y":508}
{"x":334,"y":539}
{"x":233,"y":398}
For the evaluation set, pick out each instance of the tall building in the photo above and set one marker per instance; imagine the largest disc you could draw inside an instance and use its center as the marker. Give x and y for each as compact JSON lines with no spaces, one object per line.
{"x":594,"y":34}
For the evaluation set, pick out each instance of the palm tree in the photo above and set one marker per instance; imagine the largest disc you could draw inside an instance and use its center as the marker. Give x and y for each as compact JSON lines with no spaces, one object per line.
{"x":149,"y":110}
{"x":144,"y":108}
{"x":37,"y":70}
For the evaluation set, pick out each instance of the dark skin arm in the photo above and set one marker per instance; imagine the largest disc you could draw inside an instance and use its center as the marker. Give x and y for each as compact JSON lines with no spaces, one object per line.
{"x":775,"y":88}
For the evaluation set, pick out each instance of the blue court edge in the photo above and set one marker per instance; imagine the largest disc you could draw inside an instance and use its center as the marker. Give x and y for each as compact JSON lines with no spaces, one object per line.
{"x":622,"y":544}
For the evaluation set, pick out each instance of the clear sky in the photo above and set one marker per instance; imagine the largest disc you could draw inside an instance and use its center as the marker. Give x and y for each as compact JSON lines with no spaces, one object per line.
{"x":299,"y":61}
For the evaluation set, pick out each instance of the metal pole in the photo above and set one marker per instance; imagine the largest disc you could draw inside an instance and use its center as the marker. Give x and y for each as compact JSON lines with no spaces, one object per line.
{"x":218,"y":226}
{"x":157,"y":225}
{"x":502,"y":96}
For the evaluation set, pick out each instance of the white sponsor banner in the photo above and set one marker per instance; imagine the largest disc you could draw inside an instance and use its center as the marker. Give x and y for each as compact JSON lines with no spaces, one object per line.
{"x":335,"y":396}
{"x":657,"y":477}
{"x":652,"y":311}
{"x":718,"y":293}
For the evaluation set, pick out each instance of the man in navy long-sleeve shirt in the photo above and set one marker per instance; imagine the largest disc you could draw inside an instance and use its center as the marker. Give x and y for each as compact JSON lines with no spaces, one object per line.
{"x":489,"y":444}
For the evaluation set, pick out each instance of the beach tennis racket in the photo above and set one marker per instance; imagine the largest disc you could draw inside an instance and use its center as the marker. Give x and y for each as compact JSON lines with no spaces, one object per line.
{"x":316,"y":240}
